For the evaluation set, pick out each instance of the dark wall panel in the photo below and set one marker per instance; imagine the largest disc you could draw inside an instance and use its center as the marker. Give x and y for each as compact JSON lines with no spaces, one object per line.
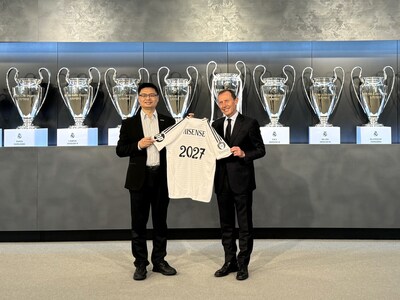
{"x":300,"y":186}
{"x":82,"y":188}
{"x":18,"y":189}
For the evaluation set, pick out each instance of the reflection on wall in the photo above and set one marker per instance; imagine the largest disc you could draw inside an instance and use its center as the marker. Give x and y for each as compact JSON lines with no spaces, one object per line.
{"x":198,"y":21}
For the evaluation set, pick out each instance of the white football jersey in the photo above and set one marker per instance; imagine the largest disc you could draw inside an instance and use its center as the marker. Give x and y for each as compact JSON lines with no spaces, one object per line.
{"x":193,"y":147}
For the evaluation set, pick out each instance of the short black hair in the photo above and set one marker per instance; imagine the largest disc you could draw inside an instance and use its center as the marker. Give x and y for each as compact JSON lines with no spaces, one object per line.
{"x":148,"y":85}
{"x":232,"y":92}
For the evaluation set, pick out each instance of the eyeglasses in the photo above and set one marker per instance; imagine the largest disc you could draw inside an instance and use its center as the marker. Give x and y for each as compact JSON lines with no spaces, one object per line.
{"x":148,"y":95}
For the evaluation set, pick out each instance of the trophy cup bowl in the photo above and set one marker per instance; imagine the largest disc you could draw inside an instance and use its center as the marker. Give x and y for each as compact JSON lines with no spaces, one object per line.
{"x":275,"y":93}
{"x":124,"y":93}
{"x":373,"y":94}
{"x":27,"y":96}
{"x":178,"y":93}
{"x":223,"y":81}
{"x":78,"y":96}
{"x":323,"y":97}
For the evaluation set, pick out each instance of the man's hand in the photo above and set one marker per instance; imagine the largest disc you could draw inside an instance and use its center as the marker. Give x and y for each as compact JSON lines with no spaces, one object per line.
{"x":146,"y":142}
{"x":236,"y":151}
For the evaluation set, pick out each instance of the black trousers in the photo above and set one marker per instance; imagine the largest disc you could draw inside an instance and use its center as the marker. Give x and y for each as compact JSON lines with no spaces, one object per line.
{"x":153,"y":194}
{"x":229,"y":205}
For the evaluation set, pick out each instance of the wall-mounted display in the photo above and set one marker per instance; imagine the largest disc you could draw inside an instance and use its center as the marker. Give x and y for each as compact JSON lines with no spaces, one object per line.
{"x":222,"y":81}
{"x":330,"y":98}
{"x":177,"y":93}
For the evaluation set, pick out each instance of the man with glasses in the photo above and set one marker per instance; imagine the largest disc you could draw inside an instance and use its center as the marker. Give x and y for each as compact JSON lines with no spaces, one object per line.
{"x":146,"y":180}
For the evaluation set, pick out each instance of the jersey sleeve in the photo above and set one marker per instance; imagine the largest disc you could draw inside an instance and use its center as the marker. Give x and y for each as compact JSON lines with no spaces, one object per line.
{"x":168,"y":135}
{"x":218,"y":145}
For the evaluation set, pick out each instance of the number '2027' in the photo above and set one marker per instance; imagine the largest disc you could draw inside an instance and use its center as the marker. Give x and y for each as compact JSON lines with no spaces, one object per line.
{"x":192,"y":152}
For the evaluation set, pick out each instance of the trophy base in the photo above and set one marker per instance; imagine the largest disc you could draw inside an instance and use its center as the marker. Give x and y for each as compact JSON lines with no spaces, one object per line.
{"x":78,"y":127}
{"x":374,"y":135}
{"x":324,"y":135}
{"x":277,"y":124}
{"x":275,"y":135}
{"x":77,"y":137}
{"x":28,"y":127}
{"x":323,"y":125}
{"x":26,"y":137}
{"x":113,"y":136}
{"x":373,"y":125}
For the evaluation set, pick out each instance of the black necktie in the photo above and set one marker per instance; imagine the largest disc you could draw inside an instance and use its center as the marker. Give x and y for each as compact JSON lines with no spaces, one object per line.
{"x":228,"y":132}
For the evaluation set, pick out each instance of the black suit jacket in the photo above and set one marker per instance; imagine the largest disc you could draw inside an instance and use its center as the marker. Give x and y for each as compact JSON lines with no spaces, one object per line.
{"x":130,"y":134}
{"x":240,"y":171}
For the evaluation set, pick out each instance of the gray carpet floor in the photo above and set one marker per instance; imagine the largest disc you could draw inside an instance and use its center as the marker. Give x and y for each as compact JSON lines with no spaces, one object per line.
{"x":280,"y":269}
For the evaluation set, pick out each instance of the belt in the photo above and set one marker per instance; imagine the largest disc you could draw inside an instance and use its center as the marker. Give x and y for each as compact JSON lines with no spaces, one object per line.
{"x":152,"y":168}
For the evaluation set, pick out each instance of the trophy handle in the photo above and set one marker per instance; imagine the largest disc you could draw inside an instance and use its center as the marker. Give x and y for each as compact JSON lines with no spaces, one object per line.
{"x":242,"y":83}
{"x":255,"y":82}
{"x":385,"y":78}
{"x":159,"y":82}
{"x":59,"y":84}
{"x":195,"y":83}
{"x":304,"y":86}
{"x":106,"y":83}
{"x":48,"y":84}
{"x":210,"y":87}
{"x":15,"y":78}
{"x":147,"y":73}
{"x":341,"y":87}
{"x":208,"y":75}
{"x":290,"y":67}
{"x":240,"y":73}
{"x":98,"y":84}
{"x":354,"y":87}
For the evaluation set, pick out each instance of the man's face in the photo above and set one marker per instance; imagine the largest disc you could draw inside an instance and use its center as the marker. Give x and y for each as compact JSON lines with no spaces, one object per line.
{"x":227,"y":104}
{"x":148,"y":98}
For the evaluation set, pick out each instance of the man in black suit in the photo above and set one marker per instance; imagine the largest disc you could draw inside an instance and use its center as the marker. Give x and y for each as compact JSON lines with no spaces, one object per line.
{"x":234,"y":183}
{"x":146,"y":180}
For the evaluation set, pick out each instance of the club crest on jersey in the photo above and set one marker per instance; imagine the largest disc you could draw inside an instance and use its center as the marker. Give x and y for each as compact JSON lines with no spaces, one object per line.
{"x":159,"y":137}
{"x":221,"y":145}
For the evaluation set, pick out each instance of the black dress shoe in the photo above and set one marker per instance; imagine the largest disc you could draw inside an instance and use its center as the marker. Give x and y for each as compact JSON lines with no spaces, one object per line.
{"x":227,"y":268}
{"x":243,"y":273}
{"x":140,"y":273}
{"x":164,"y":268}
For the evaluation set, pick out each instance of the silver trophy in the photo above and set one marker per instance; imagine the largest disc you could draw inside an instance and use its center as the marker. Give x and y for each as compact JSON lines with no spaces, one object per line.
{"x":323,"y":95}
{"x":223,"y":81}
{"x":78,"y":95}
{"x":27,"y":95}
{"x":124,"y":93}
{"x":177,"y":92}
{"x":274,"y":93}
{"x":373,"y":94}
